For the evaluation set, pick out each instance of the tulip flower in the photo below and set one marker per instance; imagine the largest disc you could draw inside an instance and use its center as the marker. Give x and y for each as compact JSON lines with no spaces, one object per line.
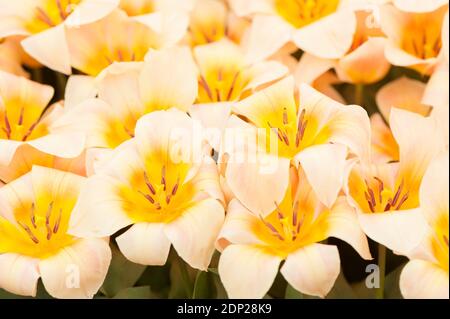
{"x":45,"y":22}
{"x":414,"y":39}
{"x":288,"y":128}
{"x":161,"y":184}
{"x":311,"y":25}
{"x":91,"y":52}
{"x":211,"y":20}
{"x":126,"y":92}
{"x":426,"y":275}
{"x":29,"y":128}
{"x":10,"y":60}
{"x":387,"y":195}
{"x":34,"y":240}
{"x":254,"y":245}
{"x":403,"y":93}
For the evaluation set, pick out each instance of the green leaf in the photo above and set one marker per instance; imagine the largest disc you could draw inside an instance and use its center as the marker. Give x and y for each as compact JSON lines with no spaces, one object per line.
{"x":122,"y":274}
{"x":204,"y":285}
{"x":136,"y":293}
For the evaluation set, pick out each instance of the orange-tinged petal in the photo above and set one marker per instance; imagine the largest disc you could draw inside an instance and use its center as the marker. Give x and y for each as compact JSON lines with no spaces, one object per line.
{"x":19,"y":274}
{"x":424,"y":280}
{"x":247,"y":271}
{"x":78,"y":271}
{"x":402,"y":93}
{"x":194,"y":246}
{"x":313,"y":269}
{"x":156,"y":248}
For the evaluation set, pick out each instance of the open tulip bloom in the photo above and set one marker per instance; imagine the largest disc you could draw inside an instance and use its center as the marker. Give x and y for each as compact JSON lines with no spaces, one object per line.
{"x":224,"y":149}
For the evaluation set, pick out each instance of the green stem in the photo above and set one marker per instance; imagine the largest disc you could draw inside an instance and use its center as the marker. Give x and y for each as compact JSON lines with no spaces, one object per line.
{"x":36,"y":74}
{"x":359,"y":94}
{"x":61,"y":81}
{"x":185,"y":277}
{"x":382,"y":267}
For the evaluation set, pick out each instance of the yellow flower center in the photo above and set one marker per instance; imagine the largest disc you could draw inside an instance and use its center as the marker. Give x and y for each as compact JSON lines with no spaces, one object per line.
{"x":224,"y":83}
{"x":382,"y":199}
{"x":21,"y":123}
{"x":421,"y":37}
{"x":157,"y":196}
{"x":300,"y":13}
{"x":40,"y":230}
{"x":289,"y":227}
{"x":137,"y":7}
{"x":440,"y":241}
{"x":50,"y":13}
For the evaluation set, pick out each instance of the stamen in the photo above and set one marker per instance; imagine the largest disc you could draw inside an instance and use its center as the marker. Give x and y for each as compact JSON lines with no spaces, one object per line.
{"x":446,"y":240}
{"x":175,"y":187}
{"x":279,"y":212}
{"x":276,"y":131}
{"x":32,"y":217}
{"x":147,"y":197}
{"x":300,"y":128}
{"x":233,"y":83}
{"x":20,"y":122}
{"x":380,"y":188}
{"x":128,"y":131}
{"x":29,"y":232}
{"x":47,"y":221}
{"x":285,"y":116}
{"x":30,"y":130}
{"x":58,"y":222}
{"x":272,"y":228}
{"x":168,"y":199}
{"x":205,"y":86}
{"x":400,"y":203}
{"x":42,"y":15}
{"x":7,"y":128}
{"x":397,"y":194}
{"x":294,"y":214}
{"x":163,"y":177}
{"x":60,"y":10}
{"x":119,"y":54}
{"x":149,"y":185}
{"x":388,"y":206}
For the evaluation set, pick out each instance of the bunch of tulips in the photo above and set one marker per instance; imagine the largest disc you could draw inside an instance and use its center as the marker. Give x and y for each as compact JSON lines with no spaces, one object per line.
{"x":224,"y":148}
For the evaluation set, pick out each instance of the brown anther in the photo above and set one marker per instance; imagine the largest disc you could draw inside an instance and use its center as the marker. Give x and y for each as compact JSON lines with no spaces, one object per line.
{"x":301,"y":126}
{"x":276,"y":131}
{"x":233,"y":83}
{"x":119,"y":55}
{"x":42,"y":15}
{"x":163,"y":177}
{"x":30,"y":130}
{"x":47,"y":221}
{"x":402,"y":201}
{"x":285,"y":116}
{"x":149,"y":185}
{"x":58,"y":222}
{"x":32,"y":216}
{"x":294,"y":214}
{"x":20,"y":122}
{"x":380,"y":188}
{"x":397,"y":193}
{"x":446,"y":240}
{"x":206,"y":87}
{"x":219,"y":99}
{"x":147,"y":197}
{"x":29,"y":232}
{"x":61,"y":12}
{"x":128,"y":131}
{"x":388,"y":206}
{"x":175,"y":187}
{"x":279,"y":212}
{"x":158,"y":206}
{"x":284,"y":136}
{"x":7,"y":128}
{"x":168,"y":199}
{"x":272,"y":228}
